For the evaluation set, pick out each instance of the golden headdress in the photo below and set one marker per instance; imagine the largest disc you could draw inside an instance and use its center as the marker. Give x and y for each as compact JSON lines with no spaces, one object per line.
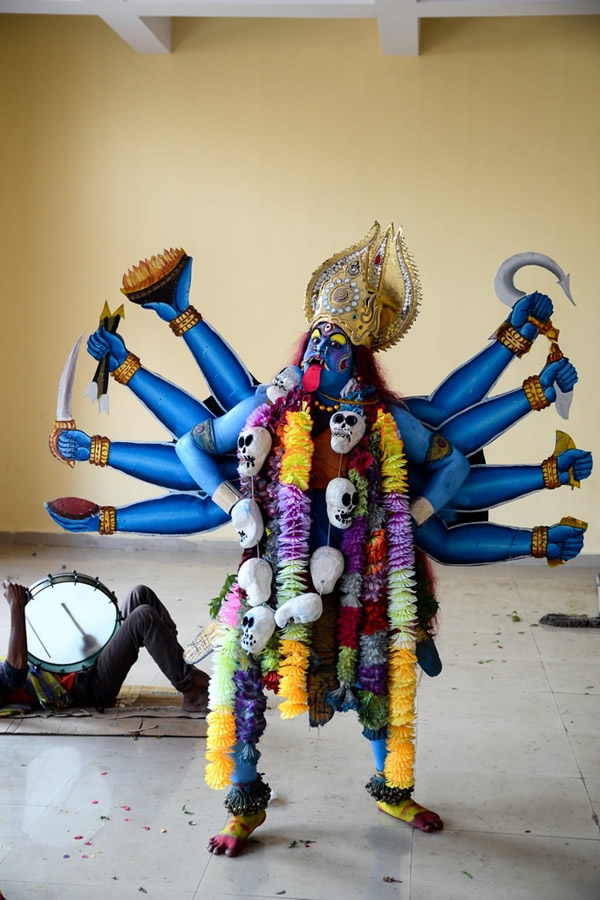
{"x":371,"y":290}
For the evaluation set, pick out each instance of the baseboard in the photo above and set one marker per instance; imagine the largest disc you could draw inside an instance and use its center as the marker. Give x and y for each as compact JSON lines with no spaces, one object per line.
{"x":201,"y":546}
{"x":125,"y":543}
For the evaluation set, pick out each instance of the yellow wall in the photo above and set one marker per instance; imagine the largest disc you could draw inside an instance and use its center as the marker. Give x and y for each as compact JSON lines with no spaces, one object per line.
{"x":261,"y":147}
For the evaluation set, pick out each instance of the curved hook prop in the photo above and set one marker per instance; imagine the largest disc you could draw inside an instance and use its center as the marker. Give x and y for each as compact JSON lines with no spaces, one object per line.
{"x":504,"y":284}
{"x":64,"y":418}
{"x":507,"y":293}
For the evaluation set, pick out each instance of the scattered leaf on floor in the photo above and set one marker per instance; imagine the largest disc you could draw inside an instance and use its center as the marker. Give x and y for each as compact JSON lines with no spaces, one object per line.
{"x":389,"y":879}
{"x":468,"y":874}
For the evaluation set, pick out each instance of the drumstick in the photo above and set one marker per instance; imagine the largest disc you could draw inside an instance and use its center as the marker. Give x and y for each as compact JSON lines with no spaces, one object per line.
{"x":89,"y":640}
{"x":38,"y":637}
{"x":73,"y":619}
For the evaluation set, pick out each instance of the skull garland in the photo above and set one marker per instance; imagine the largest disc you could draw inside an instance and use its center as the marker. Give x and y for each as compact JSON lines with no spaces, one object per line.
{"x":248,"y":522}
{"x":301,"y":609}
{"x":257,"y":627}
{"x":342,"y":499}
{"x":283,"y":383}
{"x":326,"y":567}
{"x":253,"y":447}
{"x":255,"y":577}
{"x":347,"y":428}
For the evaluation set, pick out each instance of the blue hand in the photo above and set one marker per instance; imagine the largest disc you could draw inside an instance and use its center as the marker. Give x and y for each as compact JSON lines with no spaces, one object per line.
{"x":90,"y":523}
{"x":74,"y":445}
{"x":564,"y":542}
{"x":537,"y":305}
{"x":102,"y":342}
{"x":182,"y":296}
{"x":580,"y":461}
{"x":563,"y":373}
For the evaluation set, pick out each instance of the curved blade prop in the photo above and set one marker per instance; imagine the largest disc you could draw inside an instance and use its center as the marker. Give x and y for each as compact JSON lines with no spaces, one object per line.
{"x":64,"y":418}
{"x":507,"y":293}
{"x":504,"y":283}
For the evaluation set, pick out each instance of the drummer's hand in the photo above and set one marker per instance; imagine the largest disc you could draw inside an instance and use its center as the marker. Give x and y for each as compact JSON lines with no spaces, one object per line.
{"x":15,"y":594}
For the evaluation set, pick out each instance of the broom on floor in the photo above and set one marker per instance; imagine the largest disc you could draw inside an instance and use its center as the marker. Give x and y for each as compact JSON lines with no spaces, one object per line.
{"x":562,"y":620}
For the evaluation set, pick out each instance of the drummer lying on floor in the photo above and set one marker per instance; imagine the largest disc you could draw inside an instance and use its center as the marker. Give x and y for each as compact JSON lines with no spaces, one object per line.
{"x":146,"y":623}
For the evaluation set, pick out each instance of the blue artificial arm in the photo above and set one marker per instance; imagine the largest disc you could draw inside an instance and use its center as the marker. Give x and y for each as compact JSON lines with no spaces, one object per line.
{"x":173,"y":407}
{"x":228,"y":379}
{"x":484,"y":542}
{"x":172,"y":514}
{"x":481,"y":424}
{"x":443,"y":476}
{"x":471,"y":382}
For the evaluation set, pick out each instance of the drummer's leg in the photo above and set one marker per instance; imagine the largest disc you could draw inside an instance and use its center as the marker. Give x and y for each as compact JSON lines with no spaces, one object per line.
{"x":141,"y":595}
{"x":143,"y":627}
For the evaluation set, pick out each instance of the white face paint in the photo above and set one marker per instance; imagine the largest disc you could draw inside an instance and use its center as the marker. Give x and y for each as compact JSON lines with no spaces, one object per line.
{"x":283,"y":383}
{"x":302,"y":609}
{"x":347,"y":428}
{"x":253,"y":447}
{"x":342,"y":499}
{"x":255,"y":577}
{"x":257,"y":627}
{"x":326,"y":567}
{"x":248,"y":522}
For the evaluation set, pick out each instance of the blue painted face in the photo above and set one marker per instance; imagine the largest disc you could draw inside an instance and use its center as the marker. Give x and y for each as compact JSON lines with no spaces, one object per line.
{"x":330,"y":350}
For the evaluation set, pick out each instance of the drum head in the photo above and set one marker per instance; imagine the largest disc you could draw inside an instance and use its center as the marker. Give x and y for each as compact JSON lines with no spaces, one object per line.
{"x":69,"y":618}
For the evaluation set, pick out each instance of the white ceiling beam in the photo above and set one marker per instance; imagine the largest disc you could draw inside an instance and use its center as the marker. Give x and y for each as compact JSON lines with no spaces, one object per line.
{"x":144,"y":35}
{"x":398,"y":24}
{"x":449,"y":9}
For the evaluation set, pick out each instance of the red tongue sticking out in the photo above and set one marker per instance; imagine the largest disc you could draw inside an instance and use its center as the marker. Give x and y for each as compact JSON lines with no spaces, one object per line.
{"x":312,"y":377}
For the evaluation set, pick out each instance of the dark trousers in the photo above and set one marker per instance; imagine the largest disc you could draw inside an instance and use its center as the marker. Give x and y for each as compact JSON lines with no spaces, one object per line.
{"x":147,"y":623}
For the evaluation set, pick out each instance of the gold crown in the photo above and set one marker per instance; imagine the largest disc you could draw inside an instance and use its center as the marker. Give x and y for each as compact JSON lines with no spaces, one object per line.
{"x":371,"y":290}
{"x":150,"y":272}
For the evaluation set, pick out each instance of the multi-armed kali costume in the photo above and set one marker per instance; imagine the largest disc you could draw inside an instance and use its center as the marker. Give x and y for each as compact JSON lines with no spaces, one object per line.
{"x":338,"y":479}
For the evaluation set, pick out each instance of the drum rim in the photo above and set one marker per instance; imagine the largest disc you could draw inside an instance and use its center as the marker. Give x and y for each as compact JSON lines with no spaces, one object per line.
{"x":63,"y":577}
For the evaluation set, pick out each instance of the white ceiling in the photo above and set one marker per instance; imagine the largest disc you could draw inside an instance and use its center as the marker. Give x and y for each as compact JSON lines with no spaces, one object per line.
{"x":146,"y":24}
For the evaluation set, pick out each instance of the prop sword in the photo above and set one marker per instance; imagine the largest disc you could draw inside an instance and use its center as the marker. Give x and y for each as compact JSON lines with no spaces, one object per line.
{"x":98,"y":387}
{"x":64,"y":419}
{"x":507,"y":293}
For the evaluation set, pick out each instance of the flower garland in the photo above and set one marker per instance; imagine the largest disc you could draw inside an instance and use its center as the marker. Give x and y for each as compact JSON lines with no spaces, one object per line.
{"x":402,"y":613}
{"x":376,"y":625}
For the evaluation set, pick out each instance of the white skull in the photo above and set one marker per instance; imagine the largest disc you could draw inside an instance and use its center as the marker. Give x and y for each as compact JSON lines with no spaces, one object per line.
{"x":253,"y":447}
{"x":302,"y":609}
{"x":257,"y":627}
{"x":342,"y":499}
{"x":326,"y":566}
{"x":255,"y":577}
{"x":248,"y":522}
{"x":283,"y":383}
{"x":347,"y":428}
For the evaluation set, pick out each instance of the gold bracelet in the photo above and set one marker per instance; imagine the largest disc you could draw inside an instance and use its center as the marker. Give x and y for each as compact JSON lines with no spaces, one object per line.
{"x":539,"y":541}
{"x":550,"y":473}
{"x":535,"y":393}
{"x":184,"y":321}
{"x":108,"y":520}
{"x":125,"y":372}
{"x":99,"y":450}
{"x":512,"y":340}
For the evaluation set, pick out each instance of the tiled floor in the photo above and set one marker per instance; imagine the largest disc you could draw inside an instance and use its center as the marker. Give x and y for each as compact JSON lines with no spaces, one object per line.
{"x":508,"y":754}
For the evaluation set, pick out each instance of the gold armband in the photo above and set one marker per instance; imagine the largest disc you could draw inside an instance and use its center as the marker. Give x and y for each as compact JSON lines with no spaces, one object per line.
{"x":512,"y":340}
{"x":550,"y":473}
{"x":99,"y":450}
{"x":535,"y":393}
{"x":539,"y":541}
{"x":184,"y":321}
{"x":108,"y":520}
{"x":125,"y":372}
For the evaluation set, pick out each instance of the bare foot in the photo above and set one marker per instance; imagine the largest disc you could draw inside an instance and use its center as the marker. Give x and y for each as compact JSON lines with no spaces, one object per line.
{"x":413,"y":814}
{"x":196,"y":698}
{"x":232,"y":839}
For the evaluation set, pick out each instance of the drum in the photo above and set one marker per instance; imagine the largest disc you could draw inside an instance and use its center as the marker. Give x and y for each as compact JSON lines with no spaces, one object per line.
{"x":69,"y":618}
